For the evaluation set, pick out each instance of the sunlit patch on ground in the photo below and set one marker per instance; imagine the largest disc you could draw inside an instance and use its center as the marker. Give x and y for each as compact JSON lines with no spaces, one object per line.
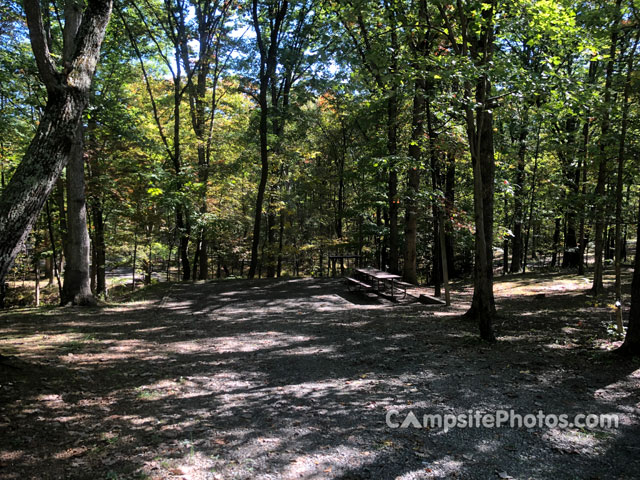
{"x":293,"y":379}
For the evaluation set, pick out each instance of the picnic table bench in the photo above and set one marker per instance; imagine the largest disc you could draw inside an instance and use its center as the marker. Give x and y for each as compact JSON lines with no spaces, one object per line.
{"x":355,"y":283}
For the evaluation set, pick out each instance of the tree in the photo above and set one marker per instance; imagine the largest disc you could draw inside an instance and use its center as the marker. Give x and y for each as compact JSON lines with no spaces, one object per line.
{"x":421,"y":48}
{"x":605,"y":125}
{"x":631,"y":345}
{"x":68,"y":93}
{"x":211,"y":59}
{"x":77,"y":278}
{"x":76,"y":288}
{"x":268,"y":40}
{"x":283,"y":32}
{"x":474,"y":39}
{"x":373,"y":30}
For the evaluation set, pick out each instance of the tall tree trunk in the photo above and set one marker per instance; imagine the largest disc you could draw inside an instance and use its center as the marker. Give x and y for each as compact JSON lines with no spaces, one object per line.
{"x":518,"y":211}
{"x":48,"y":153}
{"x":184,"y":230}
{"x":619,"y":184}
{"x":341,"y":162}
{"x":100,"y":249}
{"x":556,"y":241}
{"x":483,"y":303}
{"x":271,"y":239}
{"x":280,"y":242}
{"x":393,"y":208}
{"x":53,"y":249}
{"x":392,"y":142}
{"x":203,"y":273}
{"x":210,"y":18}
{"x":379,"y":262}
{"x":532,"y":200}
{"x":76,"y":288}
{"x":583,"y":169}
{"x":62,"y":220}
{"x":478,"y":111}
{"x":570,"y":256}
{"x":135,"y":259}
{"x":410,"y":273}
{"x":36,"y":269}
{"x":631,"y":345}
{"x":268,"y":62}
{"x":598,"y":286}
{"x":505,"y":242}
{"x":449,"y":195}
{"x":48,"y":267}
{"x":436,"y":273}
{"x":196,"y":260}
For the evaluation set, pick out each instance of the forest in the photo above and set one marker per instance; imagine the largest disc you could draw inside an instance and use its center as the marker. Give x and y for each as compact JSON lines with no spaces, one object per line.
{"x":193,"y":152}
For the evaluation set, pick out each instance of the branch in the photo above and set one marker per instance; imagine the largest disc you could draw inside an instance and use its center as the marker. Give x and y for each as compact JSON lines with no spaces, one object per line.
{"x":88,"y":41}
{"x":46,"y":67}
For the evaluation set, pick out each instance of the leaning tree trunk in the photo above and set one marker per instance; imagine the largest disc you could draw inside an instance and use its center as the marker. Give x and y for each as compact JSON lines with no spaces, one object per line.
{"x":48,"y":153}
{"x":76,"y":288}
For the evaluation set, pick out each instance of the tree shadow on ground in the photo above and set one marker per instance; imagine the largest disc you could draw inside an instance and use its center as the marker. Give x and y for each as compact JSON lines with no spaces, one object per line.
{"x":292,"y":379}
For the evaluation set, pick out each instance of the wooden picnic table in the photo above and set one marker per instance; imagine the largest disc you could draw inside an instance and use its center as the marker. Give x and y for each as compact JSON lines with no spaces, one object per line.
{"x":381,"y":278}
{"x":374,"y":280}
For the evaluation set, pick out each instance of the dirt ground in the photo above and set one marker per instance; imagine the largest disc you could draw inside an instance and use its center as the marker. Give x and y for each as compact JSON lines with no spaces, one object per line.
{"x":292,"y":379}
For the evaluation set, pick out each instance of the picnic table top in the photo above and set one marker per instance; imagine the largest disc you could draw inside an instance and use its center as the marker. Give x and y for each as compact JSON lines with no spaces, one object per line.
{"x":378,"y":274}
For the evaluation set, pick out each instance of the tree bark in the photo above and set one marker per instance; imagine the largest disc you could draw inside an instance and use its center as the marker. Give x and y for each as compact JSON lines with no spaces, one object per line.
{"x":483,"y":303}
{"x":631,"y":345}
{"x":518,"y":211}
{"x":436,"y":271}
{"x":449,"y":195}
{"x":268,"y":63}
{"x":48,"y":153}
{"x":413,"y":182}
{"x":210,"y":17}
{"x":99,"y":247}
{"x":619,"y":184}
{"x":505,"y":242}
{"x":532,"y":200}
{"x":598,"y":286}
{"x":478,"y":45}
{"x":76,"y":288}
{"x":53,"y":249}
{"x":556,"y":241}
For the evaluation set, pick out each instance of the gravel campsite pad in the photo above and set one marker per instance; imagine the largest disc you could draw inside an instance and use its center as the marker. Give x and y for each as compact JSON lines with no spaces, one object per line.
{"x":293,"y":379}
